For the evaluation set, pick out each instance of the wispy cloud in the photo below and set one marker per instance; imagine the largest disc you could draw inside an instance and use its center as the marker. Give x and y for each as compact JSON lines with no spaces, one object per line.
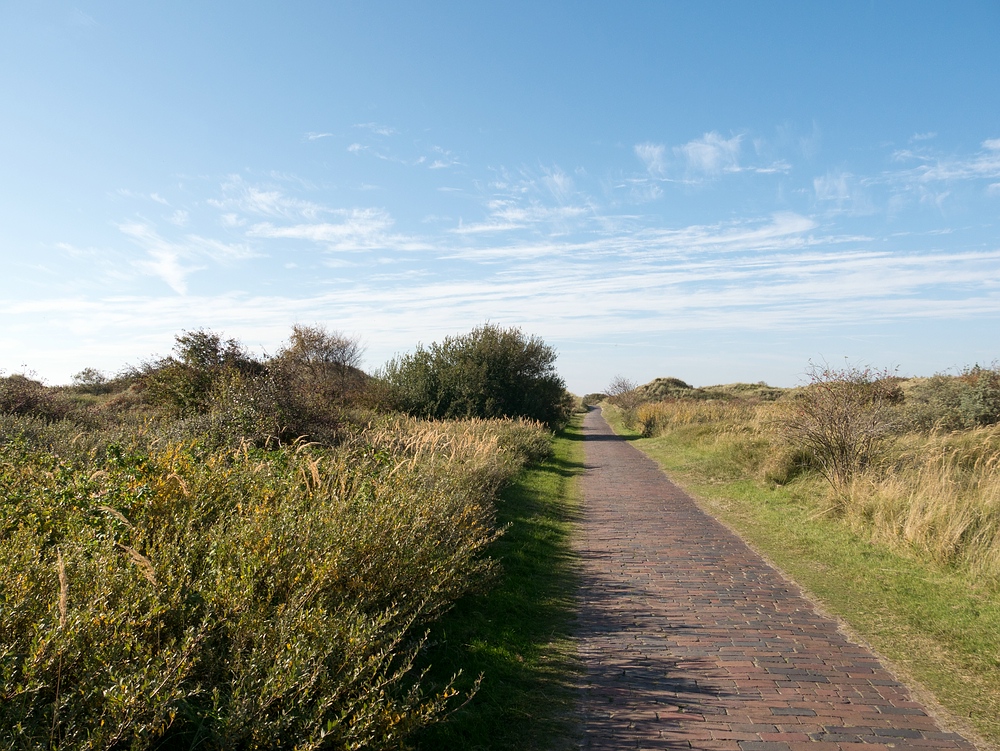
{"x":78,"y":18}
{"x":552,"y":249}
{"x":241,"y":197}
{"x":313,"y":136}
{"x":652,"y":155}
{"x":360,"y":229}
{"x":711,"y":154}
{"x":983,"y":165}
{"x":439,"y":158}
{"x":704,"y":158}
{"x":508,"y":215}
{"x":174,"y":260}
{"x":844,"y":191}
{"x":558,"y":183}
{"x":382,"y":130}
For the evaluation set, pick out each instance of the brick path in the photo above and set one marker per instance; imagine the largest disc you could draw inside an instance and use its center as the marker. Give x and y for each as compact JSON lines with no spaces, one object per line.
{"x":690,"y":640}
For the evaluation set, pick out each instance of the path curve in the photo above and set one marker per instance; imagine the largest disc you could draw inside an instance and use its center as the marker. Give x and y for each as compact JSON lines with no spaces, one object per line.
{"x":690,"y":640}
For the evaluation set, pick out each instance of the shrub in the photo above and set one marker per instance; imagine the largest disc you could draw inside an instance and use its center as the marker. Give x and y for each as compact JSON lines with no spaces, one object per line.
{"x":624,"y":394}
{"x":979,"y":403}
{"x":944,"y":402}
{"x":844,"y":419}
{"x":489,"y":372}
{"x":664,"y":388}
{"x":182,"y":384}
{"x":92,"y":381}
{"x":320,"y":366}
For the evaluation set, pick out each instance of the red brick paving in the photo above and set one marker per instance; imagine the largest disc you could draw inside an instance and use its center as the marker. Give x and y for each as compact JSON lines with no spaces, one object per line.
{"x":690,"y":640}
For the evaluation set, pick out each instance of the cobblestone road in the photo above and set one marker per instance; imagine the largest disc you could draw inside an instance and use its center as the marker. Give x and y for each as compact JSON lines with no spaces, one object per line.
{"x":691,"y":640}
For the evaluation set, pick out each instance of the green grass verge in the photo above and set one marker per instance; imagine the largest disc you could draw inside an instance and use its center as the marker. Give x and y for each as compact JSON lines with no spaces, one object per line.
{"x":937,"y":629}
{"x":518,"y":634}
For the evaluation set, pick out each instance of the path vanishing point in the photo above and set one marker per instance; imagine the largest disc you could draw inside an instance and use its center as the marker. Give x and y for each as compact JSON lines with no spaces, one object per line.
{"x":690,"y":640}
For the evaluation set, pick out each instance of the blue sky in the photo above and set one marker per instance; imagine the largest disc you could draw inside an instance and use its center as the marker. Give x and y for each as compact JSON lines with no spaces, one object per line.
{"x":712,"y":191}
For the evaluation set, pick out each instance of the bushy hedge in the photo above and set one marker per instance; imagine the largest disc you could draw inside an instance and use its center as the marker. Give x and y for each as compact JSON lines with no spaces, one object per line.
{"x":489,"y":372}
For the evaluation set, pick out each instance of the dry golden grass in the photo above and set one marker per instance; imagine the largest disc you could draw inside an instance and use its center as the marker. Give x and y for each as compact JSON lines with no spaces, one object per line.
{"x":940,"y":495}
{"x":936,"y":495}
{"x":656,"y":418}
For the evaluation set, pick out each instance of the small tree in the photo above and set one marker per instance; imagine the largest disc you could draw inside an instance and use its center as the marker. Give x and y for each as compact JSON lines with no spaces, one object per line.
{"x":325,"y":362}
{"x":624,"y":393}
{"x":91,"y":381}
{"x":22,"y":395}
{"x":980,"y":400}
{"x":844,"y":418}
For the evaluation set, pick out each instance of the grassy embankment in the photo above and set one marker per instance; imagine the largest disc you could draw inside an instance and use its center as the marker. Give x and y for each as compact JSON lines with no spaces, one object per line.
{"x":874,"y":554}
{"x":517,"y":635}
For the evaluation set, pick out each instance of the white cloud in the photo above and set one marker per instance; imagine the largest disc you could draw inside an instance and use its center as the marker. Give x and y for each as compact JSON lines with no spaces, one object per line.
{"x":707,"y":156}
{"x":559,"y":184}
{"x":442,"y":158}
{"x":984,"y":165}
{"x":833,"y":187}
{"x":711,"y":154}
{"x":845,"y":191}
{"x":507,"y":215}
{"x":779,"y":166}
{"x":548,"y":250}
{"x":311,"y":136}
{"x":242,"y":197}
{"x":173,"y":261}
{"x":78,"y":18}
{"x":652,"y":156}
{"x":382,"y":130}
{"x":359,"y":230}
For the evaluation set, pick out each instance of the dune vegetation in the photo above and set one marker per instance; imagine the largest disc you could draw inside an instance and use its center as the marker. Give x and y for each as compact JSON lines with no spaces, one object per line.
{"x":911,"y":463}
{"x":212,"y":550}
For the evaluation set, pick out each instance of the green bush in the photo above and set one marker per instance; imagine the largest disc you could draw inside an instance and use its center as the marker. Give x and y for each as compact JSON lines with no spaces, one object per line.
{"x":489,"y":372}
{"x":92,"y":381}
{"x":183,"y":384}
{"x":980,"y":401}
{"x":944,"y":402}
